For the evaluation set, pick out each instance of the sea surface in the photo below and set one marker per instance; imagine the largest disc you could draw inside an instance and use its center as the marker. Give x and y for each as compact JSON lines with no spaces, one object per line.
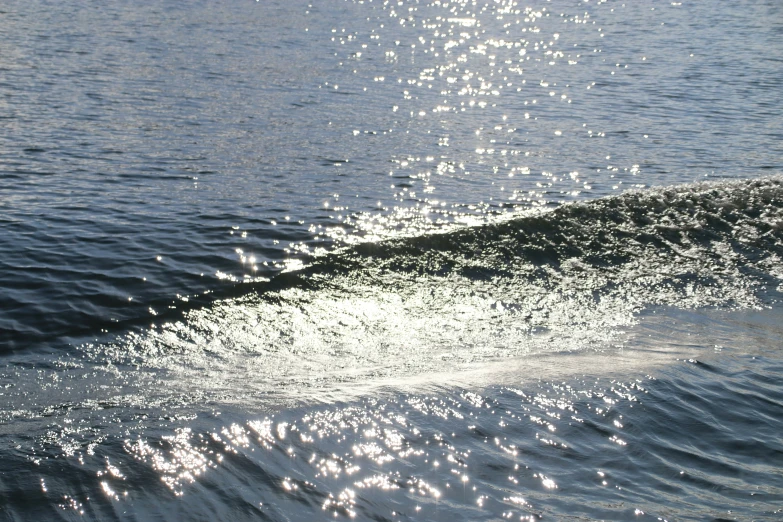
{"x":391,"y":260}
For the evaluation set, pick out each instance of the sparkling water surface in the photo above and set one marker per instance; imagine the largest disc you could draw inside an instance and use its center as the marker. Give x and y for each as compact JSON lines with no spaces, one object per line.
{"x":467,"y":260}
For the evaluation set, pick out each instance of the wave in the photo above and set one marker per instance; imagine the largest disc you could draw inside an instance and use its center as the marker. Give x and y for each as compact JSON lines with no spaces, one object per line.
{"x":569,"y":279}
{"x":707,"y":244}
{"x":574,"y":279}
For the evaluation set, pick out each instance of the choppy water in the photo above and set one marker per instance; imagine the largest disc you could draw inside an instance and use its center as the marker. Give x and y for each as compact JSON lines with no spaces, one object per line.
{"x":391,"y":260}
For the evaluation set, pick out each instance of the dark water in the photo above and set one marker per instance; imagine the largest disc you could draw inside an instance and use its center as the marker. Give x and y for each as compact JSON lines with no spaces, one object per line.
{"x":391,"y":260}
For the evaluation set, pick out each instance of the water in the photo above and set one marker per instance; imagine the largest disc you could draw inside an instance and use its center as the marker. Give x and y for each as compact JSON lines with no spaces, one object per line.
{"x":391,"y":260}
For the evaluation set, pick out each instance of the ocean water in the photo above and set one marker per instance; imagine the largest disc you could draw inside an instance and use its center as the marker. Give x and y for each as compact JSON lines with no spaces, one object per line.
{"x":391,"y":260}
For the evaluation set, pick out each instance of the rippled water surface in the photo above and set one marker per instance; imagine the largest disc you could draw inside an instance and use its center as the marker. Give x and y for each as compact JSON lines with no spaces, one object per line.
{"x":391,"y":260}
